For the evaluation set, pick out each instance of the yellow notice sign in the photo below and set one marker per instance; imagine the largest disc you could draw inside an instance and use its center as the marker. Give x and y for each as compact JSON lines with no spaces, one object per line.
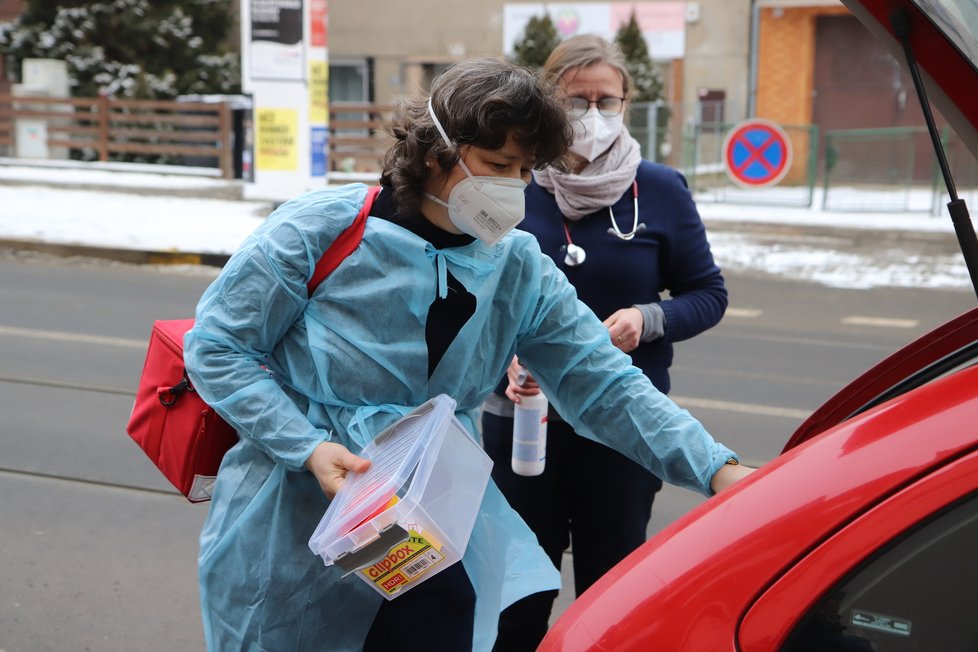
{"x":319,"y":93}
{"x":276,"y":144}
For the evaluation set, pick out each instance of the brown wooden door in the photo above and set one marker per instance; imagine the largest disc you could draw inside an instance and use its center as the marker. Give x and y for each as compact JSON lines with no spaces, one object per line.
{"x":859,"y":85}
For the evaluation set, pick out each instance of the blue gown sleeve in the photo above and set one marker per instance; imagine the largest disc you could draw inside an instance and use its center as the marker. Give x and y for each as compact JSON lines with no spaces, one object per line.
{"x":249,"y":308}
{"x":594,"y":386}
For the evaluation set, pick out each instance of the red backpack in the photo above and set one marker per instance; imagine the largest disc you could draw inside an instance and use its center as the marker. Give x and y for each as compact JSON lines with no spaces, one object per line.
{"x":181,"y":434}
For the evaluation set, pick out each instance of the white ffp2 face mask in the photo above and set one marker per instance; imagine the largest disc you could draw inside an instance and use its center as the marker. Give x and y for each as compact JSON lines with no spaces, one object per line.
{"x":483,"y":207}
{"x":594,"y":133}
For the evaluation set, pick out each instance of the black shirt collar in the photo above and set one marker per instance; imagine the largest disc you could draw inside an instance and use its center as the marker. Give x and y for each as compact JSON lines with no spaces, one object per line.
{"x":386,"y":207}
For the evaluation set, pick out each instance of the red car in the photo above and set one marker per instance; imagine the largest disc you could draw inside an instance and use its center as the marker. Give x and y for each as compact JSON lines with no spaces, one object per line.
{"x":863,"y":534}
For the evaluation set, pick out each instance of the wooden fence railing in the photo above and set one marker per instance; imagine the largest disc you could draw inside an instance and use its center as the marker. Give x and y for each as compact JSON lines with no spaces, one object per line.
{"x":104,"y":126}
{"x":358,"y":137}
{"x":192,"y":130}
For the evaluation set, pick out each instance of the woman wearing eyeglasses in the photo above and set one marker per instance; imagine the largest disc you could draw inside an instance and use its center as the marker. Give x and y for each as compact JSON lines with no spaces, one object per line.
{"x":625,"y":232}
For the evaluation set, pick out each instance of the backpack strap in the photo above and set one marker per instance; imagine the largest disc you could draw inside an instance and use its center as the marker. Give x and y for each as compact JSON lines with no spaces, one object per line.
{"x":344,"y":245}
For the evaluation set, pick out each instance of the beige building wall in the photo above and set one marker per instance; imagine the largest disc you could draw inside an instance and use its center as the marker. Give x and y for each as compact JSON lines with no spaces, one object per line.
{"x":406,"y":39}
{"x":718,"y":53}
{"x":402,"y":37}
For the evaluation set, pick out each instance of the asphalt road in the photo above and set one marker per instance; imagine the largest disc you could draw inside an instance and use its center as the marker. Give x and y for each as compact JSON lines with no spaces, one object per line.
{"x":98,"y":553}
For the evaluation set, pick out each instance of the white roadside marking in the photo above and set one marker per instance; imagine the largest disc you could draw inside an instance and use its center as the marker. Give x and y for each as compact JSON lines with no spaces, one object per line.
{"x":746,"y":313}
{"x":73,"y":337}
{"x":882,"y":322}
{"x":743,"y":408}
{"x":807,"y":341}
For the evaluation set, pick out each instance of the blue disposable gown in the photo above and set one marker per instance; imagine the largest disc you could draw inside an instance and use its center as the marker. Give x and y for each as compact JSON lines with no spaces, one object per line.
{"x":289,"y":372}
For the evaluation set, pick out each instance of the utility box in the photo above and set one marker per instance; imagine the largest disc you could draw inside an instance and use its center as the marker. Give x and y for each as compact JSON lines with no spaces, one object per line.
{"x":30,"y":134}
{"x":49,"y":74}
{"x":41,"y":78}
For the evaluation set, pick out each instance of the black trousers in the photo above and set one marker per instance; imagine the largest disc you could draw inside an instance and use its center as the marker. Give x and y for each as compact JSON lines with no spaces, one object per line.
{"x":439,"y":611}
{"x":589,"y":494}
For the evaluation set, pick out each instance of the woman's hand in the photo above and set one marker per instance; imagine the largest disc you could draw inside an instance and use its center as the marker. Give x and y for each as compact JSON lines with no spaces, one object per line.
{"x":515,"y":373}
{"x":625,"y":328}
{"x":330,"y":462}
{"x":728,"y":475}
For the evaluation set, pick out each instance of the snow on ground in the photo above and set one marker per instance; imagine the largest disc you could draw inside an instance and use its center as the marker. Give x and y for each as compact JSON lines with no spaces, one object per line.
{"x":127,"y":221}
{"x":897,"y":266}
{"x":117,"y":174}
{"x":168,"y":223}
{"x":891,"y":261}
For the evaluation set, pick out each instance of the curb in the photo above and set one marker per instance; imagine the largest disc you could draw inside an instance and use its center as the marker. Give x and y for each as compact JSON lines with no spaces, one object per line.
{"x":101,"y":177}
{"x":131,"y":256}
{"x":934,"y":241}
{"x":856,"y":235}
{"x":227,"y":191}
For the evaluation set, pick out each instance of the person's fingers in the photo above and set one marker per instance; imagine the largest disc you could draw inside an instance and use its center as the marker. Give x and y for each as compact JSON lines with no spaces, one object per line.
{"x":529,"y":386}
{"x":621,"y":340}
{"x":624,"y":328}
{"x":355,"y":463}
{"x":338,"y":476}
{"x":616,"y":330}
{"x":330,"y":462}
{"x":516,"y":392}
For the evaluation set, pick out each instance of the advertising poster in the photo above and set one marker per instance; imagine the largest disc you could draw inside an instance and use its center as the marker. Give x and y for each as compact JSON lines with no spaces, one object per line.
{"x":662,"y":23}
{"x":318,"y":16}
{"x":276,"y":144}
{"x":319,"y":145}
{"x":319,"y":93}
{"x":276,"y":39}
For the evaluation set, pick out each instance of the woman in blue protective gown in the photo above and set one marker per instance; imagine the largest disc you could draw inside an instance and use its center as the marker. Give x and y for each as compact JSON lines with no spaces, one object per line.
{"x":437,"y":299}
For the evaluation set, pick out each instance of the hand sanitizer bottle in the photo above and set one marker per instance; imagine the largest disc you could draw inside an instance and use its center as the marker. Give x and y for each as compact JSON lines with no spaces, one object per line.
{"x":530,"y":435}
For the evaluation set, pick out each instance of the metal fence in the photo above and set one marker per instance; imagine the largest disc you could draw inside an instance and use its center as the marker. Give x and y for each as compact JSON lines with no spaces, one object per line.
{"x":852,"y":170}
{"x":678,"y":136}
{"x":887,"y":170}
{"x":879,"y":170}
{"x":709,"y":180}
{"x":964,"y":167}
{"x":661,"y":128}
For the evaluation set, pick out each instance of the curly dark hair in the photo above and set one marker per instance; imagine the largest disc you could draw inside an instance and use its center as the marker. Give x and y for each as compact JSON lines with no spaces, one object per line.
{"x":478,"y":102}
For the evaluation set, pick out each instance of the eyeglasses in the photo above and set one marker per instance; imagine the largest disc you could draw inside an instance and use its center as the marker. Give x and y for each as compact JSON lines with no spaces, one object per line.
{"x":609,"y":106}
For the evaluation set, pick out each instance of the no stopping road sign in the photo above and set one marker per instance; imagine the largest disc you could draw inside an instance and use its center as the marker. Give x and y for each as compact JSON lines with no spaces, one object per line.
{"x":756,"y":153}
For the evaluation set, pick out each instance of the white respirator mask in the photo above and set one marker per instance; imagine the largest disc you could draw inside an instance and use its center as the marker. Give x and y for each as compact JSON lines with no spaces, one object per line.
{"x":486,"y":208}
{"x":594,"y":133}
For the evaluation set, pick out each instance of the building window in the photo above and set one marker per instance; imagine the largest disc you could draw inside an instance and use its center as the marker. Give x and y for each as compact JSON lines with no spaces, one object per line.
{"x":710,"y":106}
{"x":349,"y":81}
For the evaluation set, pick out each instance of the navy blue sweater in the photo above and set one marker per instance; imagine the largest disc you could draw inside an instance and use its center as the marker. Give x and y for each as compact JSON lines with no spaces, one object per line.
{"x":671,"y":255}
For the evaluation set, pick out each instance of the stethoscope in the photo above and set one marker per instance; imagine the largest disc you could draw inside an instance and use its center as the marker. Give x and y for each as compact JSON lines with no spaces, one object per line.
{"x":575,"y":255}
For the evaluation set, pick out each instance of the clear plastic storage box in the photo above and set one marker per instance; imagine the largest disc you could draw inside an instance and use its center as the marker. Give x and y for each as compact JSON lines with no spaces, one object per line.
{"x":410,"y":515}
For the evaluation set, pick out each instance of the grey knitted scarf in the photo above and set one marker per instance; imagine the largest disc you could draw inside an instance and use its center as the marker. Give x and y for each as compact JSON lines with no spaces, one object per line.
{"x":600,"y":184}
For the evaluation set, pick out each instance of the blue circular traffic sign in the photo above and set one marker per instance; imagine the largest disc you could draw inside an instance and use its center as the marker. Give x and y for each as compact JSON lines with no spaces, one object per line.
{"x":756,"y":153}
